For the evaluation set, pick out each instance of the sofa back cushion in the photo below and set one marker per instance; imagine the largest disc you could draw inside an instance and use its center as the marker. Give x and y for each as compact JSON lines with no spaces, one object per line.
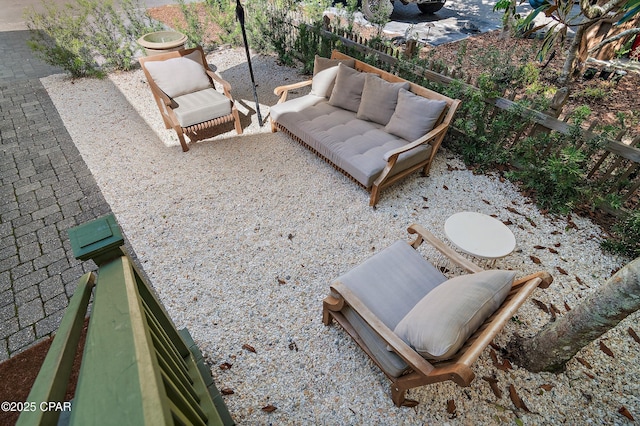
{"x":324,"y":74}
{"x":379,"y":99}
{"x":347,"y":91}
{"x":179,"y":76}
{"x":442,"y":321}
{"x":414,"y":116}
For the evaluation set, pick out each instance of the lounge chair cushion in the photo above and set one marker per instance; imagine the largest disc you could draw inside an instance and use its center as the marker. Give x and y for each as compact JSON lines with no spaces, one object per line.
{"x":201,"y":106}
{"x":414,"y":116}
{"x":347,"y":91}
{"x":392,"y":281}
{"x":379,"y":99}
{"x":442,"y":321}
{"x":324,"y":74}
{"x":179,"y":76}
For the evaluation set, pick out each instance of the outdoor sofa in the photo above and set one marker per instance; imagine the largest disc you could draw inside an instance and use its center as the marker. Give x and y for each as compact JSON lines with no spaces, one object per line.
{"x":373,"y":126}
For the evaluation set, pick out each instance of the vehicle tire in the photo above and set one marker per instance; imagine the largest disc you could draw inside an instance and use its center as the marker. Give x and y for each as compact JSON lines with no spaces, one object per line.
{"x":369,"y":8}
{"x":430,"y":8}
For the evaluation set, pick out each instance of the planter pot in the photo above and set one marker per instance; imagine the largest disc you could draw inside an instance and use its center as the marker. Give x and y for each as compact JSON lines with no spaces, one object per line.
{"x":162,"y":41}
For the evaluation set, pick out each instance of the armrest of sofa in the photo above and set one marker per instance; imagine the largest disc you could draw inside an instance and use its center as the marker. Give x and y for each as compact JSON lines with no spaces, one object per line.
{"x":433,"y":134}
{"x":283,"y":91}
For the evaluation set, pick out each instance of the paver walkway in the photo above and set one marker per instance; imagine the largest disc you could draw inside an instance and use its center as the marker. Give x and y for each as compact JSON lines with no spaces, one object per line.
{"x":45,"y":189}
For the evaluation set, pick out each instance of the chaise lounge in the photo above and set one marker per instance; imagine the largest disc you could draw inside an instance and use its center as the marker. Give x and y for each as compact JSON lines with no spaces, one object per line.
{"x":418,"y":326}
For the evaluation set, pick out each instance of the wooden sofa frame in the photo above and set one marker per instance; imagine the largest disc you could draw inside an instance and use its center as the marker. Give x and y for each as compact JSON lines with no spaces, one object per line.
{"x":423,"y":372}
{"x":389,"y":175}
{"x":198,"y":131}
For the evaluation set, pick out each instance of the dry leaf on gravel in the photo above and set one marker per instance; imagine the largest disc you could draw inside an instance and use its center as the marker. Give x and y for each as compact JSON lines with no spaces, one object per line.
{"x":515,"y":398}
{"x":269,"y":408}
{"x":626,"y":413}
{"x":547,"y":387}
{"x":535,"y":260}
{"x":604,"y":348}
{"x":584,"y":362}
{"x":493,"y":383}
{"x":225,"y":366}
{"x":562,"y":271}
{"x":227,"y":391}
{"x":633,"y":334}
{"x":249,"y":348}
{"x":451,"y":407}
{"x":540,"y":304}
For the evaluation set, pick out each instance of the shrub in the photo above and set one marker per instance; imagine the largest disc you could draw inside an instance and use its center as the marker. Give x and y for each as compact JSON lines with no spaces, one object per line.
{"x":626,"y":236}
{"x":87,"y":37}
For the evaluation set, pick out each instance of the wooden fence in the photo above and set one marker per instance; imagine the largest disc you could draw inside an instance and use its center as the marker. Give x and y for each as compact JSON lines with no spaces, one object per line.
{"x":614,"y":167}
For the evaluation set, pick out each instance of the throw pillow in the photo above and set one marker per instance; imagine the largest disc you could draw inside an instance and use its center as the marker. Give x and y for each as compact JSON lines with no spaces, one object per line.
{"x":347,"y":92}
{"x":379,"y":99}
{"x":324,"y":74}
{"x":444,"y":319}
{"x":179,"y":76}
{"x":414,"y":116}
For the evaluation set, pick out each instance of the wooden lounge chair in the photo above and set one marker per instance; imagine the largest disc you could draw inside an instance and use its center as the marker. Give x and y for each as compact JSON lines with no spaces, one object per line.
{"x":184,"y":89}
{"x":374,"y":300}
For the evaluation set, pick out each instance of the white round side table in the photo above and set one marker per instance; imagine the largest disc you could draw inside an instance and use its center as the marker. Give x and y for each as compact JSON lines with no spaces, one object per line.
{"x":480,"y":235}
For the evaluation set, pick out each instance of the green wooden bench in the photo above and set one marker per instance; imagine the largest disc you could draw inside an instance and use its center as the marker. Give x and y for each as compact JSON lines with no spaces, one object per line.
{"x":137,"y":368}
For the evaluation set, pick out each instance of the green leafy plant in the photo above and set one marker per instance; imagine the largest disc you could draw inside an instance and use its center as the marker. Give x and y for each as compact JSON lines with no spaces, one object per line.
{"x":194,"y":29}
{"x":87,"y":37}
{"x":626,"y":236}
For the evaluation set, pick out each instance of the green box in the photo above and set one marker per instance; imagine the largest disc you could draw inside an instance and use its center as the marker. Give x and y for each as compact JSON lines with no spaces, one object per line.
{"x":96,"y":239}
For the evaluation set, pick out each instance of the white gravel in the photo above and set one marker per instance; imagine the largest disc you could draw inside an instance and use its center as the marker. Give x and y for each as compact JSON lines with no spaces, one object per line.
{"x":242,"y":235}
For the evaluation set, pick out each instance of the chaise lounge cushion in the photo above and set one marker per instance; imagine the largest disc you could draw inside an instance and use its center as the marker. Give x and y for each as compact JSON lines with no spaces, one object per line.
{"x":347,"y":91}
{"x":356,"y":146}
{"x":179,"y":76}
{"x":389,"y":284}
{"x":379,"y":99}
{"x":201,"y":106}
{"x":324,"y":74}
{"x":442,"y":321}
{"x":414,"y":115}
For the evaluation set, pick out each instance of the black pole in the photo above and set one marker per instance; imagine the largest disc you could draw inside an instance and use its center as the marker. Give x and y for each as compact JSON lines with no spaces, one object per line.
{"x":240,"y":16}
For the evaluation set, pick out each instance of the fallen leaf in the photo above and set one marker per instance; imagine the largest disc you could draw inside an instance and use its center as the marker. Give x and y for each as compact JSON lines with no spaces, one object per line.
{"x":540,"y":304}
{"x":567,"y":307}
{"x":562,"y":271}
{"x":539,"y":247}
{"x":552,"y":250}
{"x":579,"y":280}
{"x":535,"y":260}
{"x":507,"y":222}
{"x":604,"y":348}
{"x":633,"y":334}
{"x":486,"y":202}
{"x":626,"y":413}
{"x":512,"y":210}
{"x":269,"y":408}
{"x":547,"y":387}
{"x":584,"y":362}
{"x":503,"y":365}
{"x":281,"y":281}
{"x":493,"y":383}
{"x":556,"y":233}
{"x":515,"y":398}
{"x":249,"y":348}
{"x":589,"y":375}
{"x":445,"y":187}
{"x":409,"y":403}
{"x":293,"y":346}
{"x":225,"y":366}
{"x":425,"y":199}
{"x":531,"y":222}
{"x":227,"y":391}
{"x":555,"y":310}
{"x":557,"y":244}
{"x":451,"y":406}
{"x":290,"y":236}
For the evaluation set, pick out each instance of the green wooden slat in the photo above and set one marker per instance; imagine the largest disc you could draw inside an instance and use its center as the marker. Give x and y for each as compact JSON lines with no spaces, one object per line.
{"x":120,"y":381}
{"x":191,"y":411}
{"x":166,"y":341}
{"x":160,"y":313}
{"x":53,"y":378}
{"x":182,"y":387}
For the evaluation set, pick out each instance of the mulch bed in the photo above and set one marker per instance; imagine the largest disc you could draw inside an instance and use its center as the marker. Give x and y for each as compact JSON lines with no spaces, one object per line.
{"x":19,"y":372}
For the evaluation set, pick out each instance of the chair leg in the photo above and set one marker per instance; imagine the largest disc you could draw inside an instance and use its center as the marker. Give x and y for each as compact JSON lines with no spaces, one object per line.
{"x":273,"y":126}
{"x":236,"y":119}
{"x":183,"y":143}
{"x":375,"y":195}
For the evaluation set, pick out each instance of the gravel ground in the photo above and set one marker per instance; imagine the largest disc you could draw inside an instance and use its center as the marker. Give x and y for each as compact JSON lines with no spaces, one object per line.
{"x":242,"y":235}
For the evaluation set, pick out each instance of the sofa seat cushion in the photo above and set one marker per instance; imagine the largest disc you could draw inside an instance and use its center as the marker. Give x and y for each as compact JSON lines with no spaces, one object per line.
{"x":198,"y":107}
{"x":294,"y":105}
{"x":356,"y":146}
